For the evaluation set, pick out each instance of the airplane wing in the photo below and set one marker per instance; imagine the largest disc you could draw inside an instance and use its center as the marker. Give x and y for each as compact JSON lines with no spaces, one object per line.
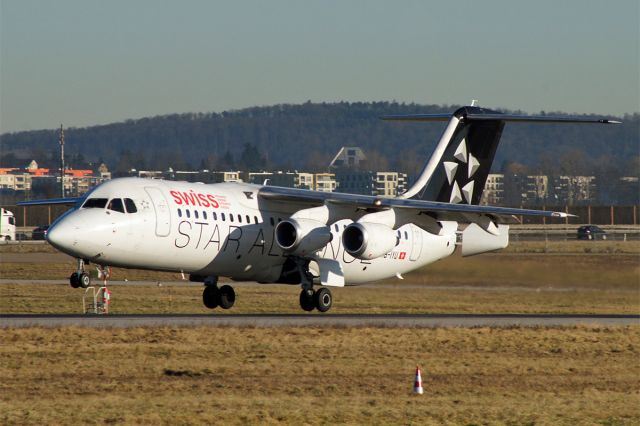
{"x":292,"y":200}
{"x":51,"y":201}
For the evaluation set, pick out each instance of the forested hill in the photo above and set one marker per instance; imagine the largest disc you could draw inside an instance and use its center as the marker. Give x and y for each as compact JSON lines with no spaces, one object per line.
{"x":307,"y":136}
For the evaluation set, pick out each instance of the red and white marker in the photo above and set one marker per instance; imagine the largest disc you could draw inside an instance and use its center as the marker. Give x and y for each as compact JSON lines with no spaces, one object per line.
{"x":417,"y":387}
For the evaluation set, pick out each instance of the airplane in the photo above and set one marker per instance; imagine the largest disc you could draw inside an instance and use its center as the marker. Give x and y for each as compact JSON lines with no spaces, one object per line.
{"x":313,"y":239}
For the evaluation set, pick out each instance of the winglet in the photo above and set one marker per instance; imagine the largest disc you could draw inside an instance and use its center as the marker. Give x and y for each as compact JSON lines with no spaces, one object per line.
{"x":562,"y":214}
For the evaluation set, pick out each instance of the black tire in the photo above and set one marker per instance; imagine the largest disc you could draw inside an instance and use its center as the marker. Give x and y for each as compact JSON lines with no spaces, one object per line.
{"x":227,"y":297}
{"x":74,"y":281}
{"x":211,"y":296}
{"x":323,"y":299}
{"x":84,"y":280}
{"x":306,"y":300}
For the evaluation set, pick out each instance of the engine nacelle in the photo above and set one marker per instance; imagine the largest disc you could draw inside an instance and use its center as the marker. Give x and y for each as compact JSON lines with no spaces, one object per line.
{"x":302,"y":236}
{"x":365,"y":240}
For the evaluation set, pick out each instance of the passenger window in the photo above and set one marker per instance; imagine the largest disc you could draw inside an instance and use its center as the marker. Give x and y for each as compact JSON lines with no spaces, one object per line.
{"x":255,"y":219}
{"x":337,"y":227}
{"x":240,"y":218}
{"x":204,"y":215}
{"x":195,"y":214}
{"x":130,"y":205}
{"x":116,"y":205}
{"x":95,"y":203}
{"x":406,"y":236}
{"x":248,"y":219}
{"x":222,"y":215}
{"x":231,"y":217}
{"x":215,"y":216}
{"x":188,"y":212}
{"x":179,"y":213}
{"x":12,"y":220}
{"x":399,"y":235}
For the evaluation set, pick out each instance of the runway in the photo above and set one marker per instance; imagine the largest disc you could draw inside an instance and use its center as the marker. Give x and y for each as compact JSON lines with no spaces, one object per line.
{"x":318,"y":320}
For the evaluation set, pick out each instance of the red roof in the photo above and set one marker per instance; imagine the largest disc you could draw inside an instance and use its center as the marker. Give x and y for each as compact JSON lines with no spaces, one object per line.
{"x":38,"y":172}
{"x":78,"y":173}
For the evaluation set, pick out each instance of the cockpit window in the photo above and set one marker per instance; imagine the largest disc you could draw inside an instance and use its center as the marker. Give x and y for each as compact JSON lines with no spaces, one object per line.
{"x":130,"y":205}
{"x":95,"y":203}
{"x":116,"y":205}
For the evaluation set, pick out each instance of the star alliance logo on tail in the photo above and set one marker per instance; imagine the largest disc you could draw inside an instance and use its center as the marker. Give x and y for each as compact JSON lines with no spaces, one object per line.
{"x":462,"y":156}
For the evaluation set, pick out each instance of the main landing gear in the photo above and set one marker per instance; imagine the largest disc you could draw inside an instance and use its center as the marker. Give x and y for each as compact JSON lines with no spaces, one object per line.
{"x":80,"y":278}
{"x":320,"y":299}
{"x":212,"y":296}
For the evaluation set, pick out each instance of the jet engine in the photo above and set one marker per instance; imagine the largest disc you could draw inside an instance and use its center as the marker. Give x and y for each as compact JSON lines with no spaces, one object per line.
{"x":365,"y":240}
{"x":302,"y":236}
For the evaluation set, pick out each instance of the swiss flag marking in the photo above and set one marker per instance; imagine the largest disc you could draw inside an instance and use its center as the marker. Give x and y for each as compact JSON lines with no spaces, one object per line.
{"x":403,"y":254}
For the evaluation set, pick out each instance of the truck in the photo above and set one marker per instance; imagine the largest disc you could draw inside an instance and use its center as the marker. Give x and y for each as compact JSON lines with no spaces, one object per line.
{"x":7,"y":225}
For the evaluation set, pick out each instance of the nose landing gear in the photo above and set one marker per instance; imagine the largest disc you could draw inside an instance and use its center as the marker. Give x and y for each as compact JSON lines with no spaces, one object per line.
{"x":80,"y":279}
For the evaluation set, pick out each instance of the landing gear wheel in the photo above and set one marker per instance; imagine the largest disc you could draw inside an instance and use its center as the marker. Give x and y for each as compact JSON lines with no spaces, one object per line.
{"x":323,"y":299}
{"x":227,"y":297}
{"x":84,"y":280}
{"x":211,"y":296}
{"x":74,"y":280}
{"x":306,"y":300}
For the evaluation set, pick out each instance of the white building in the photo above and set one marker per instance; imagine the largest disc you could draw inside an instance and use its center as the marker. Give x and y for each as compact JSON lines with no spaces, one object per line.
{"x":325,"y":182}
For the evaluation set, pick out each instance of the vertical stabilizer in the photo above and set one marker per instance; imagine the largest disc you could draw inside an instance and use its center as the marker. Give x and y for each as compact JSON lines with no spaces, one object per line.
{"x":458,"y":168}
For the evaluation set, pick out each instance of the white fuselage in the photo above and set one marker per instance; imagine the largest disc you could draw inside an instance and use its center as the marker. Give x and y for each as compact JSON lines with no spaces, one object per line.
{"x":217,"y":229}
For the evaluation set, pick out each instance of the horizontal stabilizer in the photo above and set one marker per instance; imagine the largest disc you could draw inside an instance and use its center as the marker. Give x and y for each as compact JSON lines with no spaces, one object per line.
{"x":417,"y":117}
{"x":458,"y":168}
{"x":500,"y":117}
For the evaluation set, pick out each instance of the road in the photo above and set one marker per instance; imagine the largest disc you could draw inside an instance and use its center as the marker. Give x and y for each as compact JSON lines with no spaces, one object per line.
{"x":318,"y":320}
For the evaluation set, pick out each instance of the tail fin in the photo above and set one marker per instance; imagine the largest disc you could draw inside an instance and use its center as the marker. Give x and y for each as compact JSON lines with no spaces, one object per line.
{"x":458,"y":168}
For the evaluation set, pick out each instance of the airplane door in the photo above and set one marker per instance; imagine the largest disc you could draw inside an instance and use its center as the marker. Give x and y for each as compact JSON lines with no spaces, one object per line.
{"x":416,"y":243}
{"x":163,"y":215}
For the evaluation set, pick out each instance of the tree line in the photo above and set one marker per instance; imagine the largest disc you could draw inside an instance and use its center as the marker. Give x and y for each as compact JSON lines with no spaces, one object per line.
{"x":306,"y":136}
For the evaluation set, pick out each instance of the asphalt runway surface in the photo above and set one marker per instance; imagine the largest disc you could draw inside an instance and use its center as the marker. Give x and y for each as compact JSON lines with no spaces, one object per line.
{"x":317,"y":320}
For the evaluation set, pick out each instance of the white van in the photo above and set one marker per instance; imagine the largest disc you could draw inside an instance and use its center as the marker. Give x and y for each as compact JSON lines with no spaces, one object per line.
{"x":7,"y":225}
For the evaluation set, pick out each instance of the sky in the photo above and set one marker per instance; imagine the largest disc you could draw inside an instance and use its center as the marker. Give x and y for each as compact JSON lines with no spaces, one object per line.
{"x":86,"y":62}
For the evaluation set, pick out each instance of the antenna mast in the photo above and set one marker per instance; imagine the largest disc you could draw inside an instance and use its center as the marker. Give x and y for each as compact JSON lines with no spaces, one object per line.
{"x":61,"y":140}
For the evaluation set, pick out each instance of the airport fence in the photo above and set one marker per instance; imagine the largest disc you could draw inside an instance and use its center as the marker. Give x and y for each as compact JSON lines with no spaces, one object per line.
{"x":594,"y":215}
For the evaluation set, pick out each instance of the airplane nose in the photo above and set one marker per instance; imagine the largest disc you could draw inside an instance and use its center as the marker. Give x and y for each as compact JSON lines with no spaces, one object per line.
{"x":63,"y":235}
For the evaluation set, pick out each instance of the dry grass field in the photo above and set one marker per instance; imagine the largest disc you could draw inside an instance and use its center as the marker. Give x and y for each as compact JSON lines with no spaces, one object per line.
{"x":517,"y":376}
{"x":565,"y":279}
{"x":310,"y":375}
{"x":26,"y":298}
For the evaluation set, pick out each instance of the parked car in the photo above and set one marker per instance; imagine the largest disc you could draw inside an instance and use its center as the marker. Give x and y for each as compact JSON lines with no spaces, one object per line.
{"x":591,"y":232}
{"x":40,"y":233}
